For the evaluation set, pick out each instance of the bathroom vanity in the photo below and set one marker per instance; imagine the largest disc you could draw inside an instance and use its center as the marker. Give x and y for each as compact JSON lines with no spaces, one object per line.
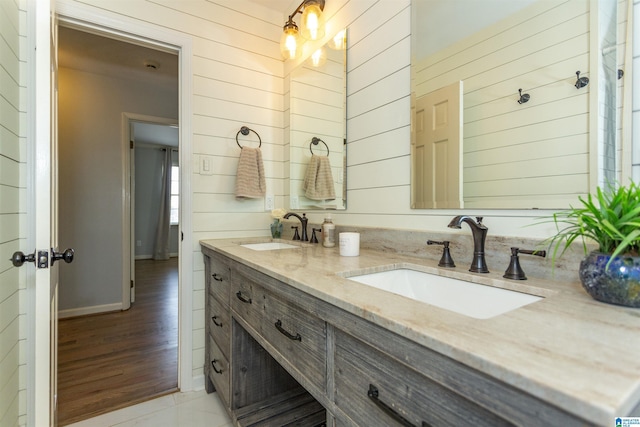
{"x":291,"y":340}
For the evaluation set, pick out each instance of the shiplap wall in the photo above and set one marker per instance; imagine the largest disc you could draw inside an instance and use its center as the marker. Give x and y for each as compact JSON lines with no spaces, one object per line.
{"x":635,"y":169}
{"x":12,"y":213}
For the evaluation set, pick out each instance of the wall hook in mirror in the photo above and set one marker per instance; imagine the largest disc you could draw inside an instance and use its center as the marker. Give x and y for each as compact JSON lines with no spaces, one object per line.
{"x":524,"y":97}
{"x":582,"y":81}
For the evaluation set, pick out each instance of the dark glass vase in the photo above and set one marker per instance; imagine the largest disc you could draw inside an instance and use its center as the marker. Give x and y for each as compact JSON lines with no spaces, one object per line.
{"x":619,"y":284}
{"x":276,"y":229}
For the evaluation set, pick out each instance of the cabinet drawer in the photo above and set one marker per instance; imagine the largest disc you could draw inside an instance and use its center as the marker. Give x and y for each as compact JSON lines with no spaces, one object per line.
{"x":297,"y":335}
{"x":218,"y":279}
{"x":219,"y":324}
{"x":218,"y":370}
{"x":374,"y":389}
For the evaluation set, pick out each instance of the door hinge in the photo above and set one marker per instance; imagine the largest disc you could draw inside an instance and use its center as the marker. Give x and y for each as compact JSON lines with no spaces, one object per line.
{"x":131,"y":284}
{"x":130,"y":144}
{"x":181,"y":236}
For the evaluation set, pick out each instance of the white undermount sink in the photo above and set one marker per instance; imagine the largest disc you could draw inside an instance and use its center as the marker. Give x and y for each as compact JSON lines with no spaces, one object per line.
{"x":463,"y":297}
{"x":268,"y":246}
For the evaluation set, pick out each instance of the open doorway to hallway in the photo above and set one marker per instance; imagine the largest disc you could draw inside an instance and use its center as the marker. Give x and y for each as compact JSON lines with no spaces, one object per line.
{"x":132,"y":352}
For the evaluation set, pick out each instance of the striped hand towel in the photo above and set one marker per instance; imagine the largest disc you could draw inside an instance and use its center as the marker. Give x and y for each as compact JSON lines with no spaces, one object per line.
{"x":318,"y":182}
{"x":250,"y":180}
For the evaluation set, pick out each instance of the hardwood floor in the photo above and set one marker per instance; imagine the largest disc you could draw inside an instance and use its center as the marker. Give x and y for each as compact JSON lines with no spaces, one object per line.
{"x":110,"y":361}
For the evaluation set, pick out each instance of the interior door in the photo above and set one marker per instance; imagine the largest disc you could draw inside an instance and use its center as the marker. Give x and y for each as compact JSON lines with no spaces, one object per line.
{"x":44,"y":227}
{"x":438,"y":148}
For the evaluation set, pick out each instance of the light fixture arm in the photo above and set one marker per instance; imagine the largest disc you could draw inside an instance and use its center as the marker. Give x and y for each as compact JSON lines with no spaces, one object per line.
{"x":300,"y":8}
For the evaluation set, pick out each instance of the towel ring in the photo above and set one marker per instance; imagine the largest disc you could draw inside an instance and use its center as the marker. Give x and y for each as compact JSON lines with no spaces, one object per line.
{"x":314,"y":141}
{"x":245,"y":131}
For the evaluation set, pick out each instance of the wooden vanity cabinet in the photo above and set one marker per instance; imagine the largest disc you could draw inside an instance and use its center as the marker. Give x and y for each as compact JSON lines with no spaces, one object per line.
{"x":373,"y":389}
{"x":296,"y":338}
{"x":296,"y":357}
{"x":218,"y":326}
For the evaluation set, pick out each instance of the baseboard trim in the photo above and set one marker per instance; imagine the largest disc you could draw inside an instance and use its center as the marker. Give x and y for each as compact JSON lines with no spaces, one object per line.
{"x":83,"y":311}
{"x":139,"y":257}
{"x":197,"y":383}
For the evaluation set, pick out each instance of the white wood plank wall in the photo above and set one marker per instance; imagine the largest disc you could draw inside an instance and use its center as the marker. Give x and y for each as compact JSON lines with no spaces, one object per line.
{"x":504,"y":141}
{"x":12,"y":212}
{"x":635,"y":169}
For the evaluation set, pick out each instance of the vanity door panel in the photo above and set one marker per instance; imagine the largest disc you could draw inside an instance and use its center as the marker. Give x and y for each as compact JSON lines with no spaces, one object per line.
{"x":295,"y":334}
{"x":373,"y":389}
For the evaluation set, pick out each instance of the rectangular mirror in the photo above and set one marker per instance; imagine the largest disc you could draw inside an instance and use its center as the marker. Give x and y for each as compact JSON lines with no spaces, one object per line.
{"x":317,"y":130}
{"x":529,"y":138}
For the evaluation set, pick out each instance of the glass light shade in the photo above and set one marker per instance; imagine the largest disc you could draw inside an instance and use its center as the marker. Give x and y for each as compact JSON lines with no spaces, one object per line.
{"x":290,"y":43}
{"x":318,"y":58}
{"x":312,"y":22}
{"x":339,"y":41}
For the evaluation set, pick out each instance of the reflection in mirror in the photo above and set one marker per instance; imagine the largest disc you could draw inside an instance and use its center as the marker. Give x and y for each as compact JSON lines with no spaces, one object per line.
{"x":317,"y":122}
{"x":540,"y":154}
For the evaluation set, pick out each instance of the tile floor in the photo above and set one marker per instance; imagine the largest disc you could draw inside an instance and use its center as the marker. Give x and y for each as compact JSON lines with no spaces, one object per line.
{"x":193,"y":409}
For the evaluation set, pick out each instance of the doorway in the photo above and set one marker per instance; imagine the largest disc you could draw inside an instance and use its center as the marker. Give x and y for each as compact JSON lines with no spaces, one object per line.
{"x":100,"y":78}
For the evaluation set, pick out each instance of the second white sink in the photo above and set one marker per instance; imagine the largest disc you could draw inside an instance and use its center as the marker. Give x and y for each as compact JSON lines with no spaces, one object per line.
{"x":463,"y":297}
{"x":268,"y":246}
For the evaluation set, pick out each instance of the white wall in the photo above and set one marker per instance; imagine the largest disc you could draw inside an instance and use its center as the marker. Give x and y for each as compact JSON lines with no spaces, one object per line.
{"x":636,"y":92}
{"x":12,"y":212}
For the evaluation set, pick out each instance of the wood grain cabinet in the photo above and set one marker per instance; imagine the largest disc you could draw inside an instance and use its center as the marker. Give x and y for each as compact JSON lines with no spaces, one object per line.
{"x":218,"y":326}
{"x":373,"y":389}
{"x":296,"y":337}
{"x":279,"y":356}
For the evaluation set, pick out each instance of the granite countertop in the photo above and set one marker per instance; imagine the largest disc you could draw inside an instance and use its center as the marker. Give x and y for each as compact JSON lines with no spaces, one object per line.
{"x":567,"y":349}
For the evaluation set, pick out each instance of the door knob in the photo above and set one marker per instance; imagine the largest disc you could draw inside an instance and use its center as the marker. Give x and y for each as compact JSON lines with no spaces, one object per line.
{"x":66,"y":256}
{"x":41,"y":258}
{"x":19,"y":258}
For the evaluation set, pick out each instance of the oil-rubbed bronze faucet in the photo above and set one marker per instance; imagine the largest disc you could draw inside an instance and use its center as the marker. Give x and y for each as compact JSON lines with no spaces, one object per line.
{"x":303,"y":220}
{"x":479,"y":232}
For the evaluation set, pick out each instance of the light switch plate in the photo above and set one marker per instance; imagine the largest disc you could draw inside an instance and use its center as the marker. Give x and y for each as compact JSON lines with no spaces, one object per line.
{"x":268,"y":202}
{"x":206,"y":165}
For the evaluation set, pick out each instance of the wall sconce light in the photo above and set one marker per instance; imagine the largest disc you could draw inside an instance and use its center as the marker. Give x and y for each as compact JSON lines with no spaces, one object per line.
{"x":312,"y":28}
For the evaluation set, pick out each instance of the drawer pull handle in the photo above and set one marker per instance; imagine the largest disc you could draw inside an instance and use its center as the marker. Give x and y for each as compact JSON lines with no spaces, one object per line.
{"x":243,"y":298}
{"x":213,"y":363}
{"x":216,"y":277}
{"x":373,"y":395}
{"x":214,"y":319}
{"x":295,"y":337}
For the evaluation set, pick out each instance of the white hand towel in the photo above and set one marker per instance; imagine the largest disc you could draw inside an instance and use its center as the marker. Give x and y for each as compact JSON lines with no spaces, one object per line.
{"x":250,"y":180}
{"x":318,"y":182}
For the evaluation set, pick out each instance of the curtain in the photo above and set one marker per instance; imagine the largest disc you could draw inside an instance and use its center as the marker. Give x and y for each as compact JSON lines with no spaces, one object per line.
{"x":161,"y":249}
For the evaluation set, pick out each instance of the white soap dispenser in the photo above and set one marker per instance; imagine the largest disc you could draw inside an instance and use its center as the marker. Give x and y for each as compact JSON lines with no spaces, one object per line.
{"x":328,"y":233}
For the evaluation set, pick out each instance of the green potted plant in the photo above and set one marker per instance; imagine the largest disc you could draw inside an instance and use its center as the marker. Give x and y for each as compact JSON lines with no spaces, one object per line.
{"x":611,"y":219}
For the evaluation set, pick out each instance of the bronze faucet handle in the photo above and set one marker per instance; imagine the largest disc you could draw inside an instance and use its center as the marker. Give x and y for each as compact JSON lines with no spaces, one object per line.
{"x":445,"y":260}
{"x":314,"y":239}
{"x":514,"y":271}
{"x":296,"y":236}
